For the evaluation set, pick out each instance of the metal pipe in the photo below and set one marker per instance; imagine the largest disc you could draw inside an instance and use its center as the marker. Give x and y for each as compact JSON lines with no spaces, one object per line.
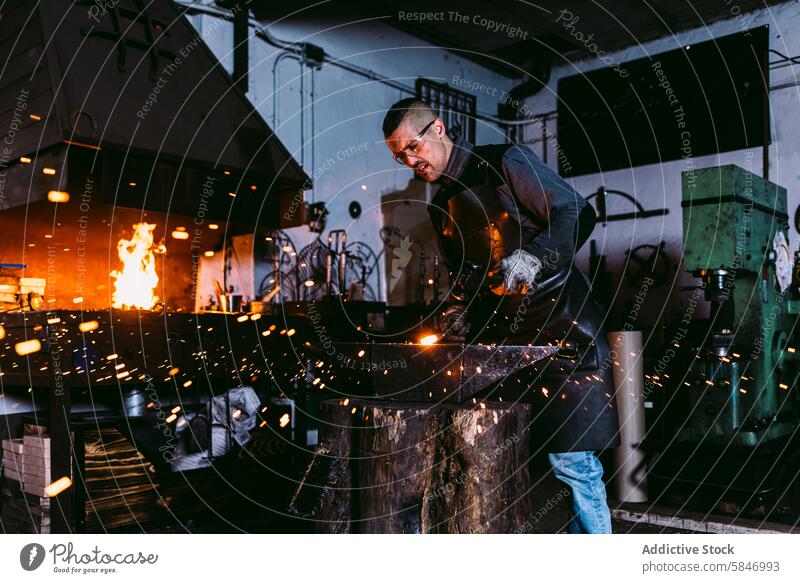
{"x":275,"y":81}
{"x":241,"y":58}
{"x":195,"y":8}
{"x":276,"y":94}
{"x":303,"y":115}
{"x":296,"y":48}
{"x":328,"y":268}
{"x":343,"y":270}
{"x":765,"y":115}
{"x":786,"y":61}
{"x":337,"y":241}
{"x":629,"y":458}
{"x":313,"y":134}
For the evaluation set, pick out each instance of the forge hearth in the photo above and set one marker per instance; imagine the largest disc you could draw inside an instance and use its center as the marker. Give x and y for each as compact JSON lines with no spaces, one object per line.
{"x":86,"y":156}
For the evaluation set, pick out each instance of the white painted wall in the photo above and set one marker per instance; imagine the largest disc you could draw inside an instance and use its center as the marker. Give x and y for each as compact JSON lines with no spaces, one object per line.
{"x":659,"y":185}
{"x":350,"y":108}
{"x":346,"y":151}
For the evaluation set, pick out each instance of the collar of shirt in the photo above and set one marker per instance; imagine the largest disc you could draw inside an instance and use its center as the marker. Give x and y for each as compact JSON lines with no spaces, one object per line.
{"x":457,"y":164}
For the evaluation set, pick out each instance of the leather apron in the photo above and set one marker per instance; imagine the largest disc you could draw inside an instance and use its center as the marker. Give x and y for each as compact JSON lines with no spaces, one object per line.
{"x":572,"y":393}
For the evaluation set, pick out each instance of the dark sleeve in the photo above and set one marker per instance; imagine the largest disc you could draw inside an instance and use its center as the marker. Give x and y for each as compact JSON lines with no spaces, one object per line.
{"x":435,"y":214}
{"x":548,"y":197}
{"x":449,"y":261}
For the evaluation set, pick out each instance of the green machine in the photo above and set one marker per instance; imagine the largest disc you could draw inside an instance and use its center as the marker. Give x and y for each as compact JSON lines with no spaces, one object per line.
{"x":742,"y":382}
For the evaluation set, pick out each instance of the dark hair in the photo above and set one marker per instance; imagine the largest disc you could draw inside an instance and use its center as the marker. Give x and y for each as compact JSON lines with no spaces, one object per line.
{"x":397,"y":112}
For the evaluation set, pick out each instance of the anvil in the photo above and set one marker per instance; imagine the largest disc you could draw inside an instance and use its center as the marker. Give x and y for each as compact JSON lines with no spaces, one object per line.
{"x":426,"y":373}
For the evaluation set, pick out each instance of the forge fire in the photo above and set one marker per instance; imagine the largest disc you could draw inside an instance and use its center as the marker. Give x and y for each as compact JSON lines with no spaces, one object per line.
{"x":134,"y":286}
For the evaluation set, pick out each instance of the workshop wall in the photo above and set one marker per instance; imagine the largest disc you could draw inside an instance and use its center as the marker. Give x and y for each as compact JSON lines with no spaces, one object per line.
{"x":343,"y":147}
{"x":659,"y":185}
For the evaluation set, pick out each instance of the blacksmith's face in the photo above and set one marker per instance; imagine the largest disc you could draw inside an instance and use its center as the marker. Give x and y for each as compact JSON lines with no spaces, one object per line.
{"x":421,"y":149}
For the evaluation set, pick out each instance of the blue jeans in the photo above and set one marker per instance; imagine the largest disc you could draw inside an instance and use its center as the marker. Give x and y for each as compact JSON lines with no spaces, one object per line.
{"x":582,"y":472}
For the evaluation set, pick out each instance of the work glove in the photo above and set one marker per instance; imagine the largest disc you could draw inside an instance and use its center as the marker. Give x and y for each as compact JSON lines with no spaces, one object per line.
{"x":520,"y":272}
{"x":454,"y":326}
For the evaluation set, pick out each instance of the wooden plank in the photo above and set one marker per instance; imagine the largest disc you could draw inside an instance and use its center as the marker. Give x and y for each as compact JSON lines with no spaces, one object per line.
{"x":41,"y":441}
{"x":12,"y":475}
{"x":35,"y":490}
{"x":37,"y":481}
{"x":13,"y":461}
{"x":43,"y":463}
{"x":13,"y":445}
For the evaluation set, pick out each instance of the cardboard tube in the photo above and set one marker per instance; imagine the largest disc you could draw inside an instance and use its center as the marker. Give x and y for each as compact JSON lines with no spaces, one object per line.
{"x":630,"y":482}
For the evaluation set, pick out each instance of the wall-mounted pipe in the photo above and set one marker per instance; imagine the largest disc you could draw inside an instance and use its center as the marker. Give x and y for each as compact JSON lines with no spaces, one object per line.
{"x":295,"y":48}
{"x":765,"y":115}
{"x":313,"y":133}
{"x":303,"y":116}
{"x":276,"y":101}
{"x":275,"y":83}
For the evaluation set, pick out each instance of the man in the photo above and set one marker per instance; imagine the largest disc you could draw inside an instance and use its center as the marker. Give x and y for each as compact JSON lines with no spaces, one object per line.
{"x":509,"y":227}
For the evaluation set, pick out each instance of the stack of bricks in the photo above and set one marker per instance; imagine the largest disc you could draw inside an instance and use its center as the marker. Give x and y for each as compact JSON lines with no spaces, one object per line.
{"x":13,"y":466}
{"x":26,"y":474}
{"x":36,"y":452}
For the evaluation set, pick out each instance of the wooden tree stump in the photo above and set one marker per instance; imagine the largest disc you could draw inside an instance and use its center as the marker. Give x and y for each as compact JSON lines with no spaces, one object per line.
{"x":394,"y":467}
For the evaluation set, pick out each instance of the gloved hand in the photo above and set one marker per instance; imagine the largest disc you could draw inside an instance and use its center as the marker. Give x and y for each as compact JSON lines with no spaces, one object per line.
{"x":454,"y":326}
{"x":520,"y":271}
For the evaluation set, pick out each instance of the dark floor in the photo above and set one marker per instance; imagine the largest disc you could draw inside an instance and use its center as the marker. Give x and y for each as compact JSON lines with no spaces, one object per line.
{"x":255,"y":501}
{"x":548,"y":496}
{"x":547,"y":490}
{"x":244,"y":495}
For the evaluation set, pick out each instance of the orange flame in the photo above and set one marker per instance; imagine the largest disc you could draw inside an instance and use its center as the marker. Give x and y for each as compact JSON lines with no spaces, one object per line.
{"x":134,"y":285}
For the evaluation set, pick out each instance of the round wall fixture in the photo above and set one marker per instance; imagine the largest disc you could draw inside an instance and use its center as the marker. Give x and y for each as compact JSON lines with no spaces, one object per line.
{"x":797,"y":218}
{"x":83,"y":123}
{"x":355,"y":209}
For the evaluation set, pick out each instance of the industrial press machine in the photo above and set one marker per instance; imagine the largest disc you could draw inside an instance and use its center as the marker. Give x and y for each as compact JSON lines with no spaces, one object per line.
{"x":737,"y":382}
